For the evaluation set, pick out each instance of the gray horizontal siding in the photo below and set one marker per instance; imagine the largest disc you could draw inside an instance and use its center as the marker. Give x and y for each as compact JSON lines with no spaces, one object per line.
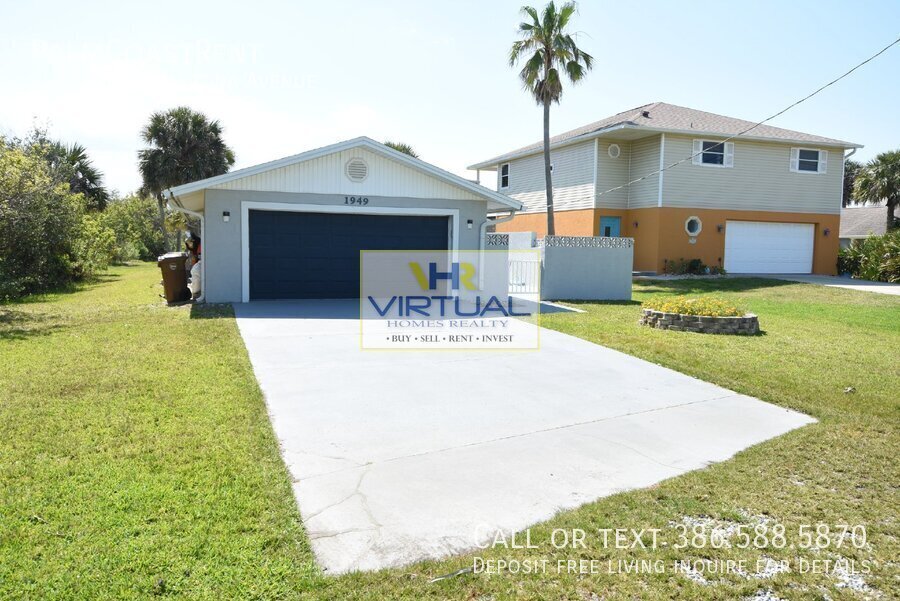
{"x":573,"y":179}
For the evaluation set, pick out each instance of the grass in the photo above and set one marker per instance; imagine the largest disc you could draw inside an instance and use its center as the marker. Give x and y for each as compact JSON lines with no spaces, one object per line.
{"x":137,"y":461}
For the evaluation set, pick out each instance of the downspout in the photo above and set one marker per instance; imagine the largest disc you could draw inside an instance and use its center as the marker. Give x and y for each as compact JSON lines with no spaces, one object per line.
{"x":177,"y":206}
{"x":482,"y":235}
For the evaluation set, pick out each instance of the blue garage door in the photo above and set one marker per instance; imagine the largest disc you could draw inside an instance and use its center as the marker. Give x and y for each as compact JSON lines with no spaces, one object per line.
{"x":316,"y":255}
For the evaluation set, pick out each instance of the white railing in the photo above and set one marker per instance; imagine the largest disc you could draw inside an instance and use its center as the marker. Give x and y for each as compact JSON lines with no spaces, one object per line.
{"x":524,"y":276}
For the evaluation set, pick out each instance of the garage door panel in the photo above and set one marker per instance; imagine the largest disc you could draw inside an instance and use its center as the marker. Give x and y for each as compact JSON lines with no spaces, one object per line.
{"x":763,"y":247}
{"x":316,"y":255}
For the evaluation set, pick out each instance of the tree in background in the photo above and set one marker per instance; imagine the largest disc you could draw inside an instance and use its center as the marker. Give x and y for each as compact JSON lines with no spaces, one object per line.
{"x":547,"y":48}
{"x":402,"y":147}
{"x":133,"y":220}
{"x":879,"y":181}
{"x":851,"y":170}
{"x":68,"y":163}
{"x":48,"y":235}
{"x":183,"y":146}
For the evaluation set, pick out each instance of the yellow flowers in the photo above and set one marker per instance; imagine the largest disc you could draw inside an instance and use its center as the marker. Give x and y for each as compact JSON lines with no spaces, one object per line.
{"x":706,"y":306}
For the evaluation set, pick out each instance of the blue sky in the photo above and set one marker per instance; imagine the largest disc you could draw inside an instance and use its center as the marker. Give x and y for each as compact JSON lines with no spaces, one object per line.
{"x":287,"y":77}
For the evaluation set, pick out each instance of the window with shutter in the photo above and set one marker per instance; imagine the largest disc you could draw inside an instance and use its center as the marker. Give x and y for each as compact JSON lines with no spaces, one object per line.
{"x":713,"y":153}
{"x":808,"y":160}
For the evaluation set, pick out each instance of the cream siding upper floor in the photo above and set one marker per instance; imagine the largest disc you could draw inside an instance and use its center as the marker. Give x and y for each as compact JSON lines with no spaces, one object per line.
{"x":644,"y":160}
{"x":573,"y":179}
{"x":611,"y":173}
{"x":325,"y":175}
{"x":760,"y":180}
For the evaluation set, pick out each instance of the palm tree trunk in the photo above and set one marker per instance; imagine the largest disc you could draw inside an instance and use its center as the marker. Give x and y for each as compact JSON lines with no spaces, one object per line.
{"x":548,"y":177}
{"x":161,"y":204}
{"x":891,"y":208}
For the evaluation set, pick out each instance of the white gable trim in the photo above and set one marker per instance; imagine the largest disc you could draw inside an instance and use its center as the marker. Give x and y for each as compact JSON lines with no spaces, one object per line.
{"x":362,"y":142}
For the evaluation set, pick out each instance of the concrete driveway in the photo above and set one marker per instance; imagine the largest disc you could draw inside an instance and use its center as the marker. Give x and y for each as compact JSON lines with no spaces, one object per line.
{"x":401,"y":456}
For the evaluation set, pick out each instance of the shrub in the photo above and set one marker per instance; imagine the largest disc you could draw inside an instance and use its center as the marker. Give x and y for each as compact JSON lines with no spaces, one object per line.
{"x":94,"y":245}
{"x":875,"y":258}
{"x":705,"y":306}
{"x":39,"y":220}
{"x":690,"y":267}
{"x":133,"y":220}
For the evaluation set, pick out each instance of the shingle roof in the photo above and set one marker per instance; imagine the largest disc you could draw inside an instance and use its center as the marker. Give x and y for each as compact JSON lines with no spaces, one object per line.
{"x":664,"y":116}
{"x":862,"y":221}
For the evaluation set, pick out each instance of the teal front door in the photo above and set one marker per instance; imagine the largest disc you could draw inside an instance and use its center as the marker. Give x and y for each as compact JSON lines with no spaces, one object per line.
{"x":610,"y":226}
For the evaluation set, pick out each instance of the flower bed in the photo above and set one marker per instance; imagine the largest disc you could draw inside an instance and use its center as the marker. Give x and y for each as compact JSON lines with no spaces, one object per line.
{"x":744,"y":324}
{"x":706,"y":314}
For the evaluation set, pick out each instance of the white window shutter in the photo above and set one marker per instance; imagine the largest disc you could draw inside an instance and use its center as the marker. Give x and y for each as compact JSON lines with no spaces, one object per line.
{"x":795,"y":159}
{"x":698,"y":152}
{"x":729,"y":154}
{"x":823,"y":161}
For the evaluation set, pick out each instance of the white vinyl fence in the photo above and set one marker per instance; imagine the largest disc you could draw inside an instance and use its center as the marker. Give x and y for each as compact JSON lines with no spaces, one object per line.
{"x":570,"y":267}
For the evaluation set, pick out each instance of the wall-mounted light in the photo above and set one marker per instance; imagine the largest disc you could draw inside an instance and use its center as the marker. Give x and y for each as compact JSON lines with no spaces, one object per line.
{"x":827,"y":231}
{"x":719,"y":228}
{"x":469,"y":223}
{"x":634,"y":224}
{"x":226,"y":216}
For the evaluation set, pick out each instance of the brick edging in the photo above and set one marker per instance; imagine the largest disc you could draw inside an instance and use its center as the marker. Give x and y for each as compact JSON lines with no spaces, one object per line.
{"x":748,"y":324}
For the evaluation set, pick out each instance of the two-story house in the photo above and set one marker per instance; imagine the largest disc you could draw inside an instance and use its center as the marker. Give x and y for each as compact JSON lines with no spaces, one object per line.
{"x":767,"y":201}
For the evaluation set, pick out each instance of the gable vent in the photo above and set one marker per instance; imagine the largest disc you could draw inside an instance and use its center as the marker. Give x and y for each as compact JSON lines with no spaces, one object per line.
{"x":356,"y":169}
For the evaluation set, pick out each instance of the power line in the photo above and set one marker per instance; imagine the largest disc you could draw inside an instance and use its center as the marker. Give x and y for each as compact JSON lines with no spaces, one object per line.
{"x":752,"y":127}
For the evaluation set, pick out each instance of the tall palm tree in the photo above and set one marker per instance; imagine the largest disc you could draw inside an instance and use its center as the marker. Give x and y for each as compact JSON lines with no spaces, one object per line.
{"x":184,"y":146}
{"x":546,"y":47}
{"x":879,"y":181}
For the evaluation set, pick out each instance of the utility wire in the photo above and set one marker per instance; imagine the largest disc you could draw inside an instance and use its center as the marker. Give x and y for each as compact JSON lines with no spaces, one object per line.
{"x":752,"y":127}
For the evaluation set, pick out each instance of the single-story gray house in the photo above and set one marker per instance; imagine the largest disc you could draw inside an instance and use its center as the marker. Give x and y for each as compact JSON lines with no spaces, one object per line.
{"x":293,"y":228}
{"x":862,"y":222}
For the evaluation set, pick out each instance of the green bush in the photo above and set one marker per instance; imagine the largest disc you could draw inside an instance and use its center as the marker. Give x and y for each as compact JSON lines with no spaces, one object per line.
{"x":690,"y":267}
{"x":875,"y":258}
{"x":94,"y":245}
{"x":39,"y":220}
{"x":706,"y":306}
{"x":133,"y":220}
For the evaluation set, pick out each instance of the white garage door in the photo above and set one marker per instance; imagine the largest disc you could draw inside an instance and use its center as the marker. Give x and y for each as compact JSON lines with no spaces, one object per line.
{"x":758,"y":247}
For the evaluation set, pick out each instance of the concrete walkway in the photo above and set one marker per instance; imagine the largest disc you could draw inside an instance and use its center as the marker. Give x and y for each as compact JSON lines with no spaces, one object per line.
{"x":401,"y":456}
{"x":821,"y":280}
{"x":837,"y":282}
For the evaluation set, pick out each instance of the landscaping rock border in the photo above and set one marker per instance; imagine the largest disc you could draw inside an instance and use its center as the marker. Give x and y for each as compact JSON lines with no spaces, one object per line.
{"x":746,"y":325}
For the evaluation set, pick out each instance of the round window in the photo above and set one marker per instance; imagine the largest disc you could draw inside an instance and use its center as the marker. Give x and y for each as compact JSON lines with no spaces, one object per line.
{"x":614,"y":151}
{"x":693,"y":226}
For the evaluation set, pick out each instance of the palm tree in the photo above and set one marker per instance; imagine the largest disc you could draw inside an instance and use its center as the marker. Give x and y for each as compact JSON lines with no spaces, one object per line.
{"x":879,"y":181}
{"x":402,"y":147}
{"x":851,"y":170}
{"x":184,"y":146}
{"x":72,"y":164}
{"x":547,"y":48}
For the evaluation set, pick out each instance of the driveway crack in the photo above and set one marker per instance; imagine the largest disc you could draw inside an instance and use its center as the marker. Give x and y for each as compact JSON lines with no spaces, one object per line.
{"x":532,"y":432}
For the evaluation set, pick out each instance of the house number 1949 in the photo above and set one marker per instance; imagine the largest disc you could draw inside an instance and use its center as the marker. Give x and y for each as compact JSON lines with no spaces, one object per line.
{"x":356,"y":200}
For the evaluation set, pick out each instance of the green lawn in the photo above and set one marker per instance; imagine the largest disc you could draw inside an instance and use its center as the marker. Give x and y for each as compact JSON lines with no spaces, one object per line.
{"x":136,"y":457}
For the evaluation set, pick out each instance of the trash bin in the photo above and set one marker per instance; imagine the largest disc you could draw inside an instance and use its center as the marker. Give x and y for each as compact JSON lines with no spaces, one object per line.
{"x":175,"y":288}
